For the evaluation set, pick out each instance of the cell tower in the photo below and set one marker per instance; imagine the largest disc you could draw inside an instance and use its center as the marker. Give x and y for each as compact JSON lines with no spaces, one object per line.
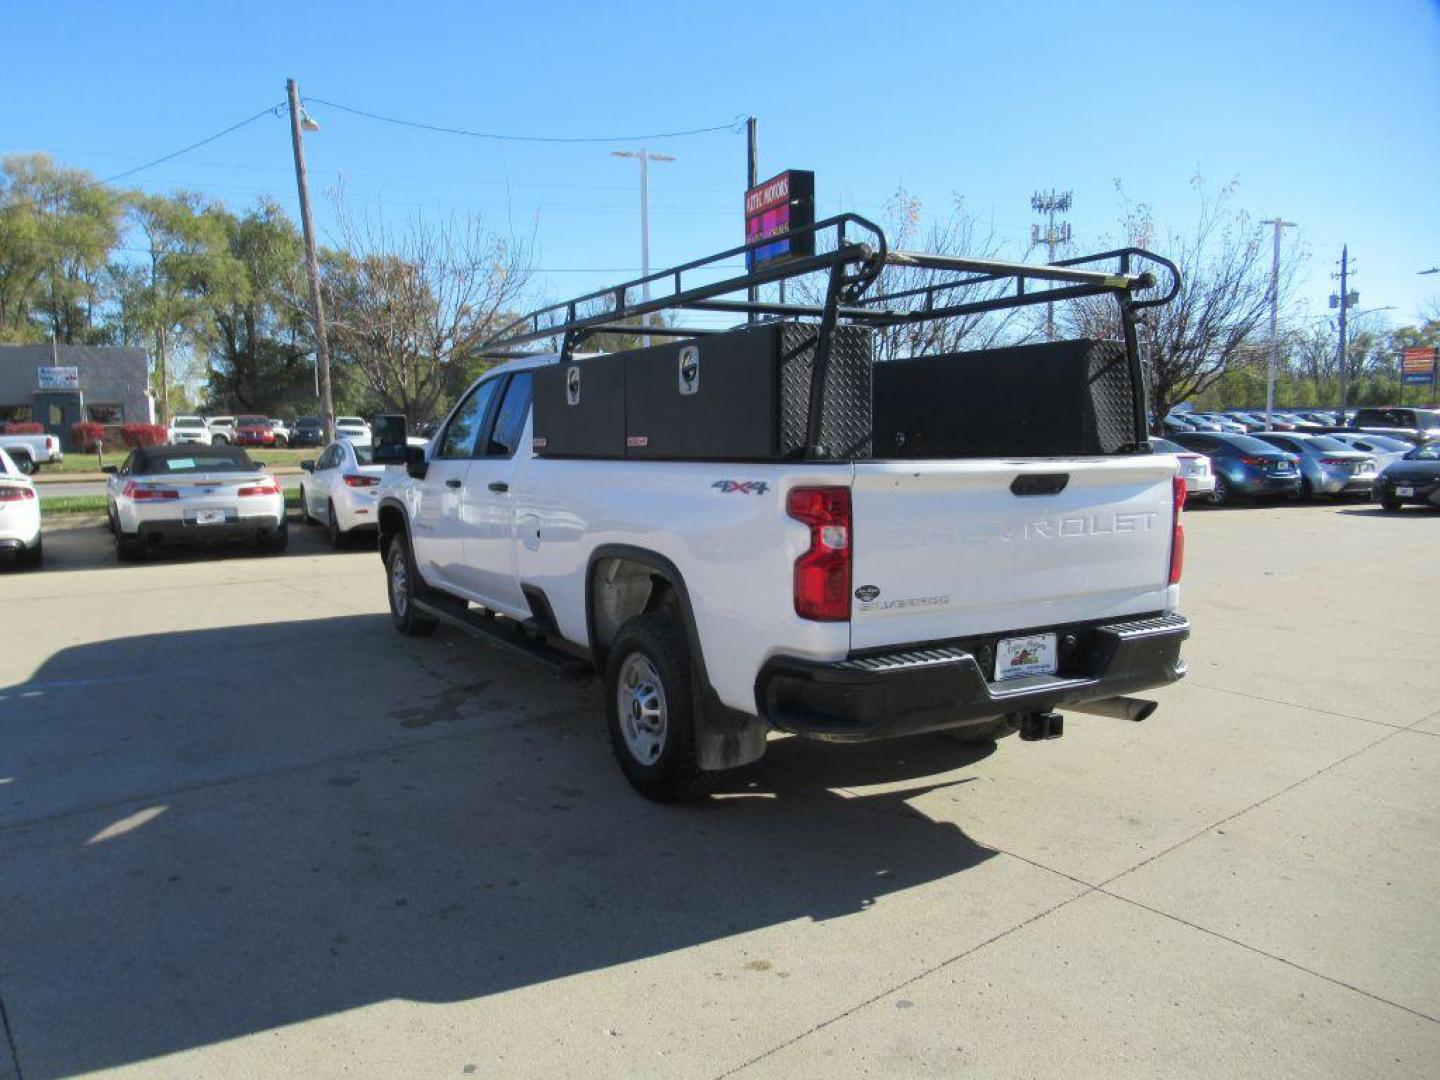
{"x":1050,"y":203}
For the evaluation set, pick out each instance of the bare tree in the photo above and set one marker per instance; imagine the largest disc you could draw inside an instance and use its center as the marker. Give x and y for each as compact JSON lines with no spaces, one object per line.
{"x":409,"y":306}
{"x":1224,"y":298}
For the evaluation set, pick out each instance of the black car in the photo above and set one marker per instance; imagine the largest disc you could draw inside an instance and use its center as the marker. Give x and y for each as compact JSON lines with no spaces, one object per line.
{"x":1243,"y":465}
{"x":1415,"y":478}
{"x":308,"y":431}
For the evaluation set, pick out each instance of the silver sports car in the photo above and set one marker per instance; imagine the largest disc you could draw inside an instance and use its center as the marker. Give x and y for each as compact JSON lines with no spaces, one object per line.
{"x":193,"y":494}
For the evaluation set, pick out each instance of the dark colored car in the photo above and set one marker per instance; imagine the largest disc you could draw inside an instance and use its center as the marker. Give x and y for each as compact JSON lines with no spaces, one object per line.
{"x":254,"y":431}
{"x":1327,"y":466}
{"x":1415,"y":478}
{"x":308,"y":431}
{"x":1243,"y":465}
{"x":1413,"y":425}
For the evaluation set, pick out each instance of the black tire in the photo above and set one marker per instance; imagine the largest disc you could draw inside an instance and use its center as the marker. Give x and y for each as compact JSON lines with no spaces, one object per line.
{"x":1307,"y":489}
{"x":1221,"y":495}
{"x":33,"y":558}
{"x":656,"y":645}
{"x":305,"y":518}
{"x":128,"y":548}
{"x":276,"y":542}
{"x":25,"y":463}
{"x":219,"y":440}
{"x":400,"y":582}
{"x":1389,"y":502}
{"x":979,"y":734}
{"x":332,"y":527}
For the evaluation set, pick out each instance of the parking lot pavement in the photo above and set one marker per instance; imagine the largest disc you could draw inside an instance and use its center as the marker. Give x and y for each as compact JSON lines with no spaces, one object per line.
{"x":247,"y":830}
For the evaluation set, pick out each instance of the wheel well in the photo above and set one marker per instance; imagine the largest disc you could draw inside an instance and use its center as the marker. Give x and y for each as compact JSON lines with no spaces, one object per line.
{"x":620,"y":589}
{"x":392,"y":521}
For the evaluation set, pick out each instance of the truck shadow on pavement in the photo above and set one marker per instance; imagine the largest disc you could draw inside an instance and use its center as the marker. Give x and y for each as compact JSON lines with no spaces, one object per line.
{"x":199,"y":841}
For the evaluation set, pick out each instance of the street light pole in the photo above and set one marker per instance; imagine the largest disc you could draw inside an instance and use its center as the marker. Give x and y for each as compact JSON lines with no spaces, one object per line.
{"x":1274,"y":361}
{"x":644,"y":157}
{"x":312,"y":262}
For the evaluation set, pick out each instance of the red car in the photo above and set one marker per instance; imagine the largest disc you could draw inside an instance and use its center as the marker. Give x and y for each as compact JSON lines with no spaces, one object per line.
{"x":254,"y":431}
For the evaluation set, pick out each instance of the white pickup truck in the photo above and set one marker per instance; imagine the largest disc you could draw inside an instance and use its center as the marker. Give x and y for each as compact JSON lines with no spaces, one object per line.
{"x":29,"y":452}
{"x":841,"y":595}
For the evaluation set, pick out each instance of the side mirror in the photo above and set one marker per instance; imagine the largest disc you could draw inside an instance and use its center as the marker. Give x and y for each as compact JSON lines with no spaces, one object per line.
{"x":112,"y":470}
{"x":415,"y":464}
{"x":308,"y":464}
{"x":387,"y":440}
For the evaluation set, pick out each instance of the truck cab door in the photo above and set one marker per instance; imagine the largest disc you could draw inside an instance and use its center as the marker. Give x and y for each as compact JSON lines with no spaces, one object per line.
{"x":489,"y":511}
{"x":437,"y":529}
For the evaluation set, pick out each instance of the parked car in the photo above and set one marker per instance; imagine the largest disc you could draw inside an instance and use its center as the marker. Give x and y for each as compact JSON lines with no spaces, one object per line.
{"x":1175,"y":422}
{"x":1221,"y":422}
{"x":1415,"y":426}
{"x":308,"y":431}
{"x":253,"y":431}
{"x":352,"y":428}
{"x":1194,"y":468}
{"x":1327,"y":466}
{"x":1244,"y":466}
{"x":189,"y":429}
{"x":1385,"y":449}
{"x":281,"y":430}
{"x":19,"y":515}
{"x":192,"y":495}
{"x":339,"y":490}
{"x":1249,"y":421}
{"x":1415,"y":478}
{"x":222,"y":430}
{"x":29,"y":452}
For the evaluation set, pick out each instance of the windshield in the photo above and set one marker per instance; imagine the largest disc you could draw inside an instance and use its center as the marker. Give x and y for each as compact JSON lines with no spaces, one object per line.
{"x":1324,"y":442}
{"x":308,"y":422}
{"x":251,"y":421}
{"x":1248,"y":445}
{"x":1386,"y":442}
{"x":195,"y":463}
{"x":350,"y":421}
{"x":364,"y":455}
{"x":189,"y":421}
{"x":1429,"y":452}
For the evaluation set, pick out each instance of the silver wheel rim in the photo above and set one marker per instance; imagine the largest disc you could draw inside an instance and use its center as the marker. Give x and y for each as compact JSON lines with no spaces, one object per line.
{"x":399,"y":584}
{"x":640,"y":698}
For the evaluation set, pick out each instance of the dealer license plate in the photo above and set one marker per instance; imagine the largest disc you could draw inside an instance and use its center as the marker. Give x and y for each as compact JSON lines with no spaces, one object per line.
{"x":1021,"y":656}
{"x":1405,"y":492}
{"x":209,"y":517}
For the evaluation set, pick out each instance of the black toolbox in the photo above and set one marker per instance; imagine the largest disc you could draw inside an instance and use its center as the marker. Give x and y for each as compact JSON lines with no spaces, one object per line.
{"x":743,"y":395}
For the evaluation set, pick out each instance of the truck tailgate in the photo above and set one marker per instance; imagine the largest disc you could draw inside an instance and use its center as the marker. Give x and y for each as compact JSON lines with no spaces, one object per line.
{"x":948,"y":549}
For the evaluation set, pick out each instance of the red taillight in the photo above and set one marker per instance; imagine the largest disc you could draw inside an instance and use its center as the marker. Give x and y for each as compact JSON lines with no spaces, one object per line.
{"x":50,"y":442}
{"x":822,"y":574}
{"x":354,"y":480}
{"x":1254,"y":461}
{"x":1177,"y":537}
{"x":269,"y":487}
{"x":148,"y":494}
{"x":16,"y":494}
{"x":1335,"y":461}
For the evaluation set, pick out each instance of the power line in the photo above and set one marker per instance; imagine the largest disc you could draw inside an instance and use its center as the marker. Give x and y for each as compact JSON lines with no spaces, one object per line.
{"x":268,"y":110}
{"x":441,"y":129}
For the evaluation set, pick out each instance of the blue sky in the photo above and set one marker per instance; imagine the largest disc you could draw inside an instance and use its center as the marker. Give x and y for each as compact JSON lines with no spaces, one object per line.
{"x":1326,"y":112}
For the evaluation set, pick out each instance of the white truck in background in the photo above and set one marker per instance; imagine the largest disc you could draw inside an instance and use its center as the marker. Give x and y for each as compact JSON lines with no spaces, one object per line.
{"x":824,"y":592}
{"x":29,"y":452}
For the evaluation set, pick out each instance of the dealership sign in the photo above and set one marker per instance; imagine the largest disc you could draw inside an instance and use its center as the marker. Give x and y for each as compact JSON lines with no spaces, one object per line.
{"x":1418,"y":365}
{"x":59,"y":378}
{"x":781,"y":205}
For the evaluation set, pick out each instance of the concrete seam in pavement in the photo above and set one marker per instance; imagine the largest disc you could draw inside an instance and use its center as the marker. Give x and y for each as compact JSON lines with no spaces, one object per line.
{"x":1252,"y":948}
{"x":10,"y":1040}
{"x":898,"y":986}
{"x":1297,"y":705}
{"x":240,"y":778}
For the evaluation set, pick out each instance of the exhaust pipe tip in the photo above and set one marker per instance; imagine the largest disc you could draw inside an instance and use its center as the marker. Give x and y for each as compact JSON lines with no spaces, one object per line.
{"x":1121,"y":708}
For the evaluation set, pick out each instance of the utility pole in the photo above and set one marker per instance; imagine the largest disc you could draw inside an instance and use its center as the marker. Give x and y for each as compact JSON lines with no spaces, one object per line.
{"x":644,"y":157}
{"x":298,"y":120}
{"x":752,"y":177}
{"x":1344,"y":300}
{"x":1280,"y":225}
{"x":1050,"y":203}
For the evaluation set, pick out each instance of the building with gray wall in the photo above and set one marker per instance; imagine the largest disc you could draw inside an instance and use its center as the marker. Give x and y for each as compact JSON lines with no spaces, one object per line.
{"x":57,"y":386}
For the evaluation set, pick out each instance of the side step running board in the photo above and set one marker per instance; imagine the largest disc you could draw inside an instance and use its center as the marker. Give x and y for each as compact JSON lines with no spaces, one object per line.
{"x":523,"y":638}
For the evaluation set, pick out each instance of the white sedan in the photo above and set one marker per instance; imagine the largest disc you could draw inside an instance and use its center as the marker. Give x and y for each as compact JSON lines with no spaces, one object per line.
{"x":1194,"y":468}
{"x":193,"y":495}
{"x":339,"y":489}
{"x":19,"y":514}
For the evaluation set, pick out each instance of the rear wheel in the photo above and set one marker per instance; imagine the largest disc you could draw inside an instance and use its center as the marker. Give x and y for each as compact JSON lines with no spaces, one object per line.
{"x":401,"y":580}
{"x":24,"y":463}
{"x":1389,"y":502}
{"x":275,"y":542}
{"x":128,"y":548}
{"x":1221,"y":495}
{"x":651,"y":710}
{"x":305,"y":518}
{"x":32,"y":557}
{"x":332,"y":526}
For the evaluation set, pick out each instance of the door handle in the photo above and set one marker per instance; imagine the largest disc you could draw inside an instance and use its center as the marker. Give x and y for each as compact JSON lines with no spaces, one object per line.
{"x":499,"y":485}
{"x":452,"y":483}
